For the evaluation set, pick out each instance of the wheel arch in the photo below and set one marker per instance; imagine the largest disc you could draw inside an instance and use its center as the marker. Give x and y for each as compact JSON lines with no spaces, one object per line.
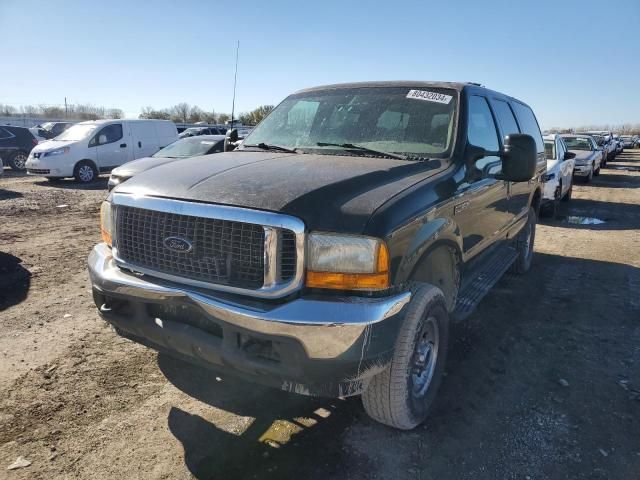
{"x":435,"y":257}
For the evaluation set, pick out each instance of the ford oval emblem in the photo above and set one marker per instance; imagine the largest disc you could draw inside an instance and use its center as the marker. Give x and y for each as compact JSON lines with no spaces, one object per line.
{"x":177,"y":244}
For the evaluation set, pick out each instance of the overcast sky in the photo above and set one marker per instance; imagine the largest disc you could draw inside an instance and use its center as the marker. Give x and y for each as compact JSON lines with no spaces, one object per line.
{"x":574,"y":62}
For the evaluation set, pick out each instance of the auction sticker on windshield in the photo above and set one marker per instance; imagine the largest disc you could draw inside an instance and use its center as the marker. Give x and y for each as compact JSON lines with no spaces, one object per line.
{"x":429,"y":96}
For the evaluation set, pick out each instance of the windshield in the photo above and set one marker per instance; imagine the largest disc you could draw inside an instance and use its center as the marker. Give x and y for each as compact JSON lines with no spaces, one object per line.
{"x":186,"y":147}
{"x":550,"y":150}
{"x":47,"y":125}
{"x":577,"y":143}
{"x":418,"y":123}
{"x":77,"y":132}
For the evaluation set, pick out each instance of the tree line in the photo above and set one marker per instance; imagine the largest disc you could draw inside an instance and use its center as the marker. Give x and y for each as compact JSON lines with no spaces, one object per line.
{"x":185,"y":113}
{"x":77,"y":111}
{"x":620,"y":129}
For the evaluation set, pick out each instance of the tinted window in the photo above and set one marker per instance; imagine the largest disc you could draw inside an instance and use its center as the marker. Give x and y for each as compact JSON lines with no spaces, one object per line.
{"x":482,"y":130}
{"x":5,"y":134}
{"x":506,"y":120}
{"x":112,"y":132}
{"x":529,"y":124}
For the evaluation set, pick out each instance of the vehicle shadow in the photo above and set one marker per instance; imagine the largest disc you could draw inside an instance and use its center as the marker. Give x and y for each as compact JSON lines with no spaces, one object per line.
{"x":282,"y":424}
{"x":504,"y":360}
{"x":613,"y":180}
{"x":9,"y":194}
{"x":69,"y":183}
{"x":15,"y":281}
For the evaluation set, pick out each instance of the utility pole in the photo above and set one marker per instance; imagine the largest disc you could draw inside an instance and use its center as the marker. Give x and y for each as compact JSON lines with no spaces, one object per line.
{"x":66,"y":112}
{"x":235,"y":80}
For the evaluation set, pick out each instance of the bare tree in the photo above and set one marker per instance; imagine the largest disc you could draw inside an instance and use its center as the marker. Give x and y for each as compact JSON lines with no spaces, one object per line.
{"x":115,"y":113}
{"x":180,"y":112}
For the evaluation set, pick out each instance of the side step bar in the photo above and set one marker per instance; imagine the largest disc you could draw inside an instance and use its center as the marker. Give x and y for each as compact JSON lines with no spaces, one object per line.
{"x":477,"y":287}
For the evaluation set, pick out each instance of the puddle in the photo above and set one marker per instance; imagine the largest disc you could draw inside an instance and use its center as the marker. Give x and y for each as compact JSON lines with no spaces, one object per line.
{"x":575,"y":220}
{"x":620,"y":167}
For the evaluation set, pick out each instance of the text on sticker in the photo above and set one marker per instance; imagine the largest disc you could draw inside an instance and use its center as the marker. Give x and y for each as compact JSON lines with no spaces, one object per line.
{"x":429,"y":96}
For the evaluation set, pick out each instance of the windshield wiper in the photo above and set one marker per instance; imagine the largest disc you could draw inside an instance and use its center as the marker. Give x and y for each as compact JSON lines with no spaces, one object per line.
{"x":266,"y":146}
{"x":351,"y":146}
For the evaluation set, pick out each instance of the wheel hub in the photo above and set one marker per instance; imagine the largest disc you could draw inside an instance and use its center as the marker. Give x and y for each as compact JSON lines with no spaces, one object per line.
{"x":425,"y":355}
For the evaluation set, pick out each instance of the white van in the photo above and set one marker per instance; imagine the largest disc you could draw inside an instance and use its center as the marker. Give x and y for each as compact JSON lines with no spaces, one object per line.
{"x":89,"y":148}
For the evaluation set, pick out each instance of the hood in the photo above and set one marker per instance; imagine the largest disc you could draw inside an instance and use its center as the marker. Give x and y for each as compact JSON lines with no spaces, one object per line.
{"x":583,"y":155}
{"x":327,"y":192}
{"x":52,"y":145}
{"x":135,"y":167}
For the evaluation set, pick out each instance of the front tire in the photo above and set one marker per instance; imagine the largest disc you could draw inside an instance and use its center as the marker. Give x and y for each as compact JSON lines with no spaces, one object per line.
{"x":85,"y":172}
{"x":569,"y":194}
{"x":402,"y":394}
{"x":18,"y":161}
{"x":524,"y":245}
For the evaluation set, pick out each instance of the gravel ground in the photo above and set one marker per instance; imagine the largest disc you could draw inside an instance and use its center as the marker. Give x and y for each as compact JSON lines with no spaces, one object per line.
{"x":543,"y":379}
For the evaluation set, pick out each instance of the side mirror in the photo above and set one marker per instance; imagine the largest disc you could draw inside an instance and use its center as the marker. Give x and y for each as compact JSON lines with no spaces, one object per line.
{"x":519,"y":159}
{"x":102,"y":139}
{"x":230,"y":139}
{"x":569,"y":155}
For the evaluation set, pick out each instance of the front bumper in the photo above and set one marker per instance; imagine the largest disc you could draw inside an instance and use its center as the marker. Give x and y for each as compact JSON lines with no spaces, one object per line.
{"x":581,"y":170}
{"x":315,"y":344}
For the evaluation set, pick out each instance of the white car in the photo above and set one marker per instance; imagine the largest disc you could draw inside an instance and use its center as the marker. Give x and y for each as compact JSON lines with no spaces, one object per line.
{"x":558,"y":184}
{"x":89,"y":148}
{"x":588,"y":157}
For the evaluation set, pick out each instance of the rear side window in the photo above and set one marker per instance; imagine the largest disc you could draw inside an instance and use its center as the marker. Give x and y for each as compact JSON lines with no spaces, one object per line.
{"x":505,"y":116}
{"x":529,"y":124}
{"x":481,"y":131}
{"x":5,"y":133}
{"x":112,"y":132}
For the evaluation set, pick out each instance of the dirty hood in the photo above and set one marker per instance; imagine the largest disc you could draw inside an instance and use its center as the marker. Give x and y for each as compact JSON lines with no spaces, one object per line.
{"x":583,"y":155}
{"x":326,"y":191}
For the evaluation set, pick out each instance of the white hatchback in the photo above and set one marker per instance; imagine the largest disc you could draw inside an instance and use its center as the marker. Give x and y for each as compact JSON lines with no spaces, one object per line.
{"x":558,"y":184}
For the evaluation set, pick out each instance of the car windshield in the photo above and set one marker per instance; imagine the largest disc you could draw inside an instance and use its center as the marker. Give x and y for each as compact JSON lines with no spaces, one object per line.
{"x":550,"y":150}
{"x":77,"y":132}
{"x":418,"y":123}
{"x":577,"y":143}
{"x":47,"y":126}
{"x":186,"y":147}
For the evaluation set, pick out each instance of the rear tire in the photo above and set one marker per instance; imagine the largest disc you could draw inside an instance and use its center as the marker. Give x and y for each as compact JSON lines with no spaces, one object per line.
{"x":18,"y":160}
{"x":402,"y":394}
{"x":524,"y":243}
{"x":85,"y":172}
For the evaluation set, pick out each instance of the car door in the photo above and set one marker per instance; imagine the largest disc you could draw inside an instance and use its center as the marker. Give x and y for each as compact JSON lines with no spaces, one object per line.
{"x":566,"y":165}
{"x":521,"y":191}
{"x":112,"y":147}
{"x":481,"y":208}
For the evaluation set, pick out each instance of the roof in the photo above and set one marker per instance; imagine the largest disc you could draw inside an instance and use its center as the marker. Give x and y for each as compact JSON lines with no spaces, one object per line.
{"x":550,"y":136}
{"x":395,"y":83}
{"x":110,"y":120}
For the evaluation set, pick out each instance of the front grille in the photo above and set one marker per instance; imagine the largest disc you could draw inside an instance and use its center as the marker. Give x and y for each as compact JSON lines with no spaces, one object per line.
{"x":288,"y":256}
{"x":38,"y":171}
{"x":223,"y":252}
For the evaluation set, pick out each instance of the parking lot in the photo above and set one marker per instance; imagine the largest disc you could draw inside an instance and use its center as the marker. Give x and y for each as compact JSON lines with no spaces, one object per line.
{"x":543,"y":380}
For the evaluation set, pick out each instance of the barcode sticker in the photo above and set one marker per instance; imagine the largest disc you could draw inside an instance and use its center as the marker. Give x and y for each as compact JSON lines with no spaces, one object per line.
{"x":429,"y":96}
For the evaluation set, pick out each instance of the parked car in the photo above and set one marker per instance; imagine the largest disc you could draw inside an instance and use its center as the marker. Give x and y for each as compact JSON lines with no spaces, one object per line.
{"x":627,"y":141}
{"x":178,"y":150}
{"x":619,"y":144}
{"x":89,"y":148}
{"x":15,"y":145}
{"x":51,"y":130}
{"x":38,"y":134}
{"x":601,"y":148}
{"x":328,"y":253}
{"x":609,"y":146}
{"x":195,"y":131}
{"x":1,"y":167}
{"x":558,"y":181}
{"x":588,"y":159}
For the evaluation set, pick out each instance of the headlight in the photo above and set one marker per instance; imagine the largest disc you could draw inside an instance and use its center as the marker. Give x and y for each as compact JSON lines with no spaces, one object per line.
{"x":58,"y":151}
{"x":347,"y":262}
{"x":106,"y":222}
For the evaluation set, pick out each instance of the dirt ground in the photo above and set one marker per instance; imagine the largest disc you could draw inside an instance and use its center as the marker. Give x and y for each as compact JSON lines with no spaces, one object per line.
{"x":543,"y":380}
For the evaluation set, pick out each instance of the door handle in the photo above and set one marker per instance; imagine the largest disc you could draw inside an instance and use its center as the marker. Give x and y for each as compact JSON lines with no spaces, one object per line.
{"x":123,"y":145}
{"x":139,"y":144}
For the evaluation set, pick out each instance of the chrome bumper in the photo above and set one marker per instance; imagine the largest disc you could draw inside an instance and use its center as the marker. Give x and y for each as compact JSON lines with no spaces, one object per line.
{"x":327,"y":327}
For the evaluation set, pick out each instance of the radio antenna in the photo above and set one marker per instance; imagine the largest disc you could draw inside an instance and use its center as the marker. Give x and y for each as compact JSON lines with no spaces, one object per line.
{"x":235,"y":81}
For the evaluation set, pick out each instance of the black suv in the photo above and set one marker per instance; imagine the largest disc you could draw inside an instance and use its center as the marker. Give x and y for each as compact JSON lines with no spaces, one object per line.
{"x":15,"y":145}
{"x":329,"y":252}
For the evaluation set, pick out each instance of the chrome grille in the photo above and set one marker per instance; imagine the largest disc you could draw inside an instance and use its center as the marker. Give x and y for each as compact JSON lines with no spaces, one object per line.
{"x":223,"y":252}
{"x":288,"y":255}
